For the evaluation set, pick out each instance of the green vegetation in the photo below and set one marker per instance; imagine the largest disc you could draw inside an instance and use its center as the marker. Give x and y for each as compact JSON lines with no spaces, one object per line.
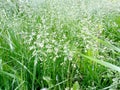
{"x":60,"y":44}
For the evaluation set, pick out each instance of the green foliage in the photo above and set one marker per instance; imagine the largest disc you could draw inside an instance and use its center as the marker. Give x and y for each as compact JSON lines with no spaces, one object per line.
{"x":76,"y":86}
{"x":59,"y":44}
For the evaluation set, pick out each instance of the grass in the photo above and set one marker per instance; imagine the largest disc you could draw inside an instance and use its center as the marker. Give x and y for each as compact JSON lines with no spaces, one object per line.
{"x":59,"y":45}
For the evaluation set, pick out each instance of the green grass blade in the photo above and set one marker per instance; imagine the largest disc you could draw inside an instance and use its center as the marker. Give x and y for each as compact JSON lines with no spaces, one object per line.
{"x":106,"y":64}
{"x":34,"y":72}
{"x":109,"y":45}
{"x":17,"y":88}
{"x":8,"y":74}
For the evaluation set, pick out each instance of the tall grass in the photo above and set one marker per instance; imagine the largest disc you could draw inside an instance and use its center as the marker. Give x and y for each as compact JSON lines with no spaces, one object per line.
{"x":59,"y":44}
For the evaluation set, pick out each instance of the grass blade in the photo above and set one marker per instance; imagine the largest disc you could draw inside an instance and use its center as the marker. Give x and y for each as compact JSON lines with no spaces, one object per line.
{"x":106,"y":64}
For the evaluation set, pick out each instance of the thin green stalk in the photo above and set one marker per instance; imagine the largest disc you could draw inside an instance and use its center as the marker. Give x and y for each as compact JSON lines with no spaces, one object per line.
{"x":34,"y":73}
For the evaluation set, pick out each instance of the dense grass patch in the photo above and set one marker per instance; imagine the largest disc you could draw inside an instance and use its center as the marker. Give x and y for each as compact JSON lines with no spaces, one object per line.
{"x":59,"y":44}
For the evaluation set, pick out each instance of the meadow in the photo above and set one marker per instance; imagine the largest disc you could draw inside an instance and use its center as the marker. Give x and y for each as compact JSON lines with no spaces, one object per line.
{"x":59,"y":45}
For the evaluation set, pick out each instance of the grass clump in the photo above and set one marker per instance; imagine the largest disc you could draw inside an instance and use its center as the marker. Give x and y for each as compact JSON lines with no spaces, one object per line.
{"x":59,"y":44}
